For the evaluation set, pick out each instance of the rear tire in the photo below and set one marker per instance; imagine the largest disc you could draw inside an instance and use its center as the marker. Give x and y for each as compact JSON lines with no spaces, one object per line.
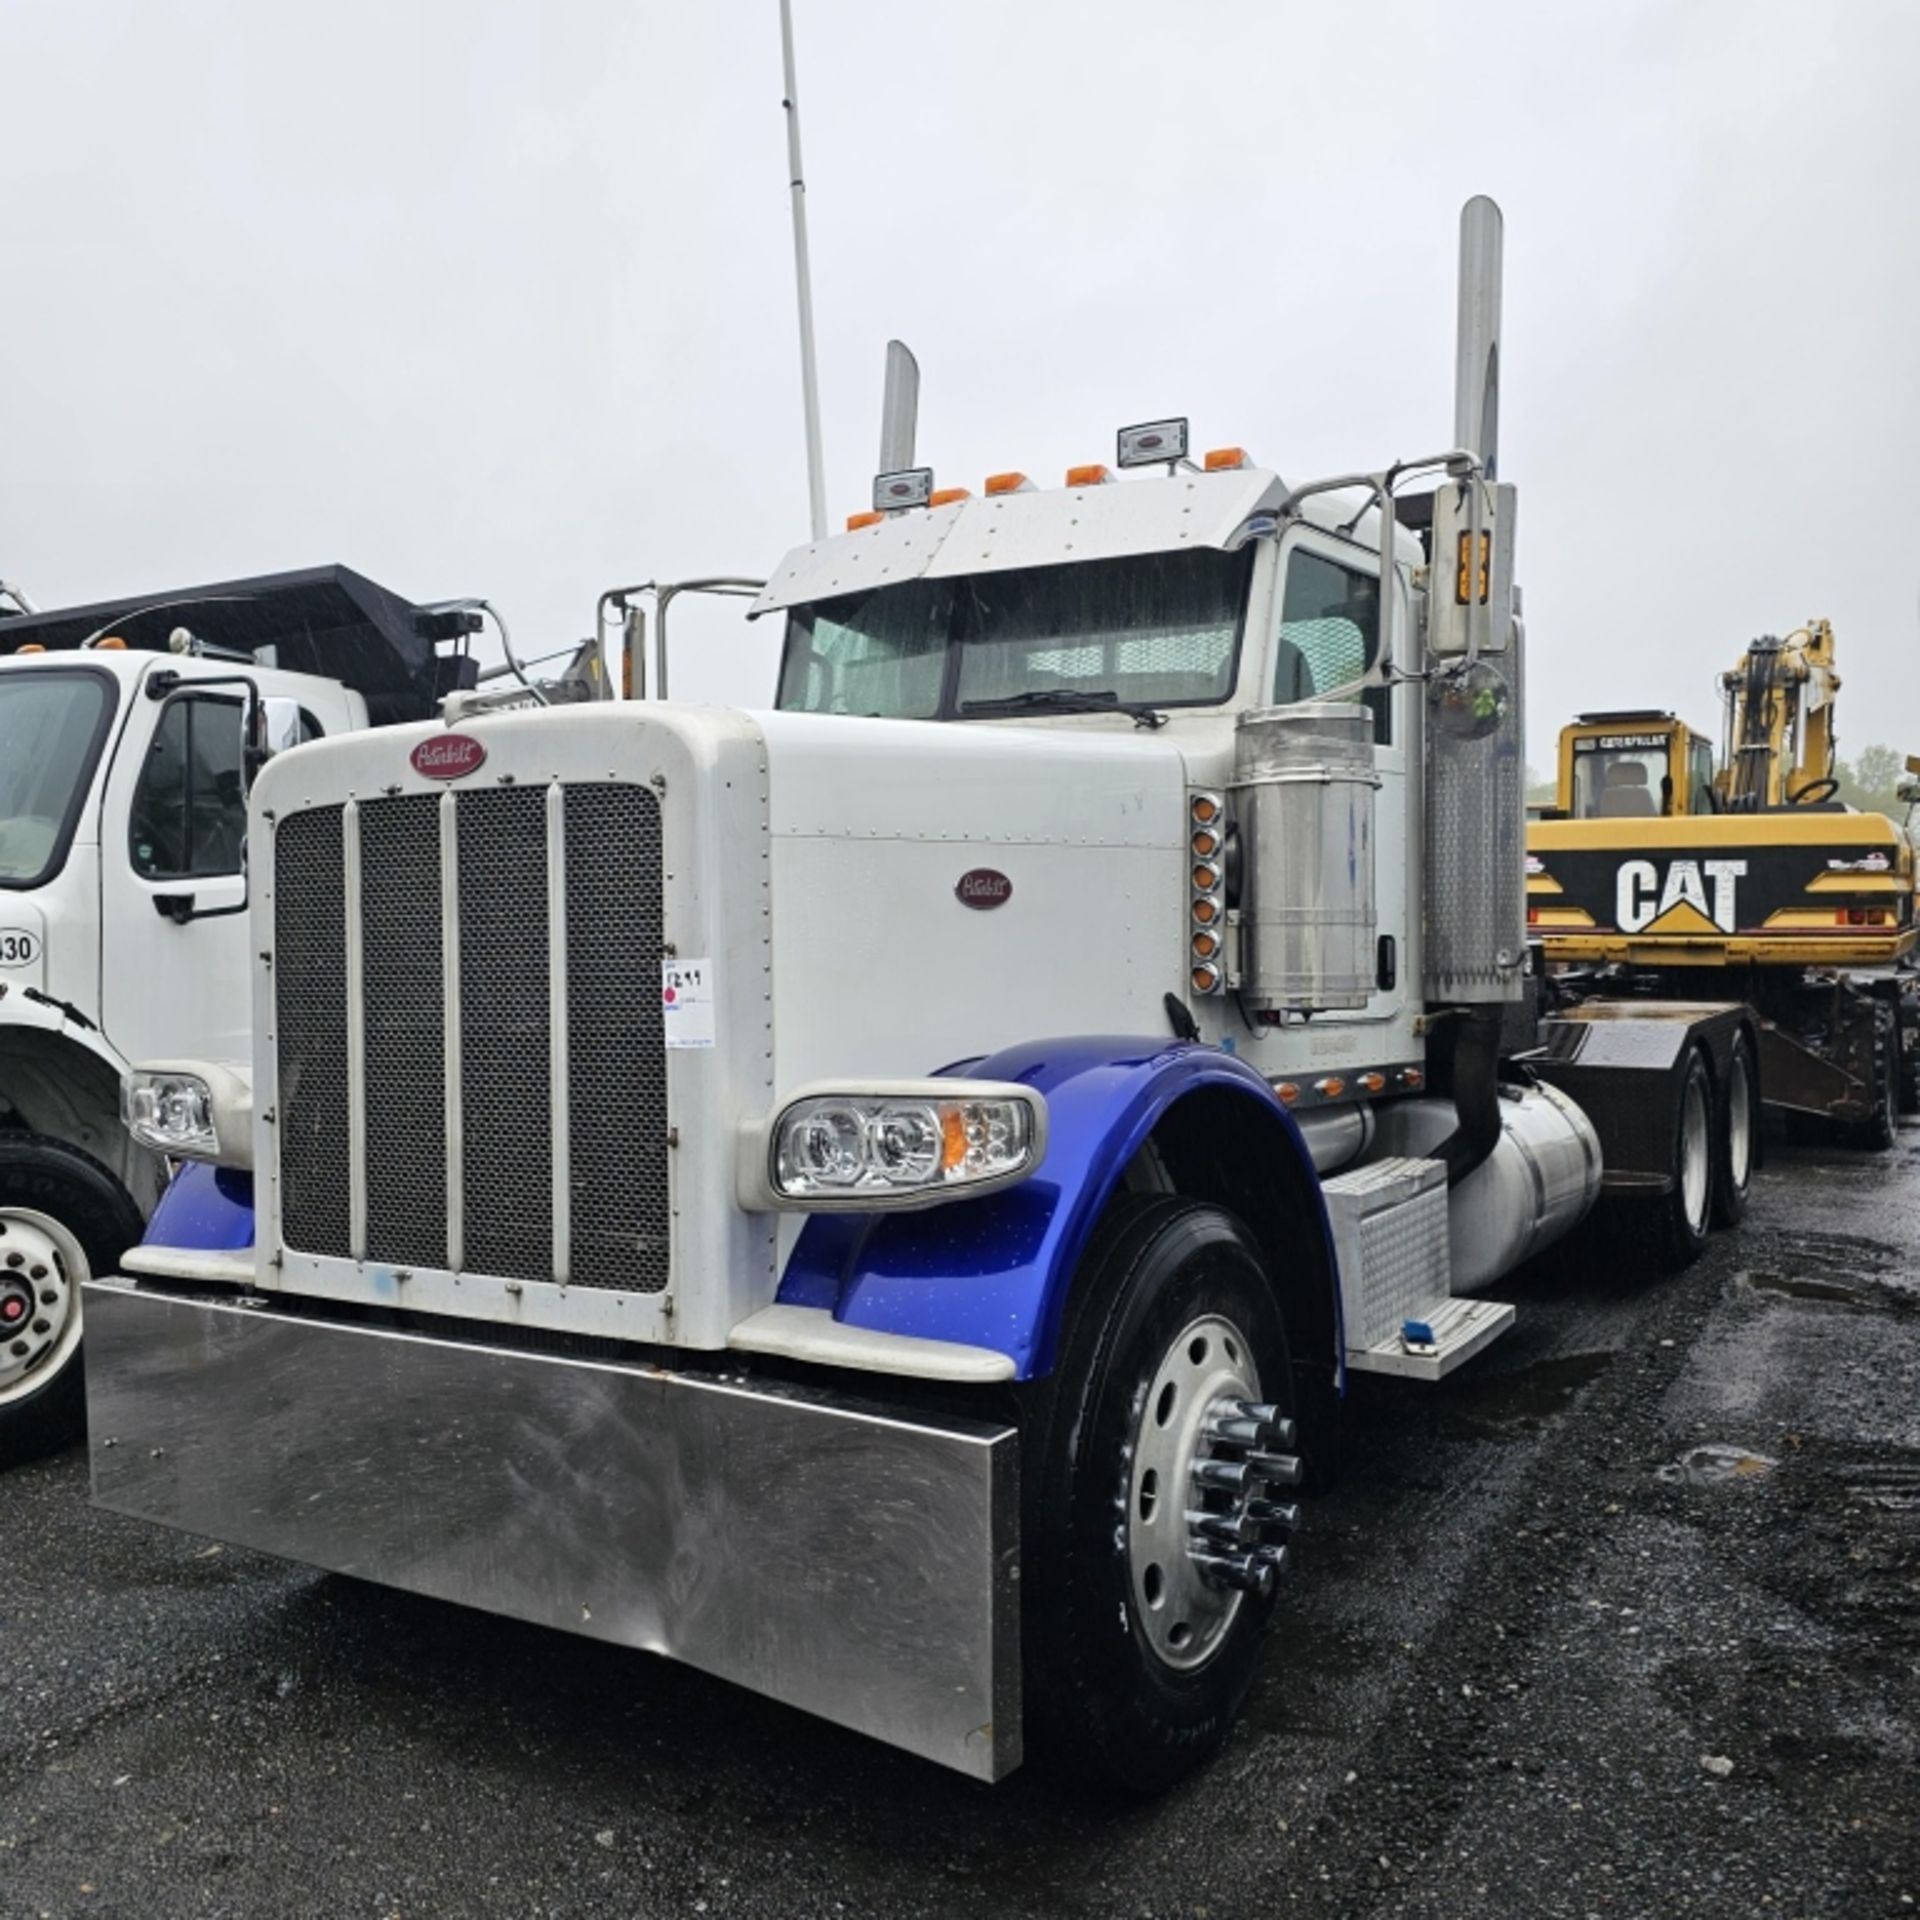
{"x":63,"y":1218}
{"x":1684,"y":1215}
{"x":1138,"y":1654}
{"x":1737,"y":1138}
{"x":1877,"y":1132}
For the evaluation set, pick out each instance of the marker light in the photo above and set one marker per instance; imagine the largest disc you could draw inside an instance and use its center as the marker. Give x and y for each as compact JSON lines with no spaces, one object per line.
{"x":1226,"y":459}
{"x":1148,"y":445}
{"x":1094,"y":475}
{"x":909,"y":1144}
{"x":111,"y":644}
{"x":948,"y":496}
{"x":998,"y":483}
{"x":31,"y":646}
{"x":893,"y":492}
{"x":1206,"y":900}
{"x":855,"y":521}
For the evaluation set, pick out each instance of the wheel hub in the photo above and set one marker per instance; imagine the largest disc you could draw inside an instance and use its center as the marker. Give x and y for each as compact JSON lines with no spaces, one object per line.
{"x":1203,"y":1525}
{"x":41,"y":1268}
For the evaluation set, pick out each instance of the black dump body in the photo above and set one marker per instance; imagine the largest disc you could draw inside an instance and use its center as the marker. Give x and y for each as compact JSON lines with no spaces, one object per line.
{"x":328,"y":621}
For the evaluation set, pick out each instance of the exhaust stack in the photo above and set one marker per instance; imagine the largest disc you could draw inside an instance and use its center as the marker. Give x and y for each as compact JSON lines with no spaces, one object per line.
{"x":1476,"y":367}
{"x":899,"y":409}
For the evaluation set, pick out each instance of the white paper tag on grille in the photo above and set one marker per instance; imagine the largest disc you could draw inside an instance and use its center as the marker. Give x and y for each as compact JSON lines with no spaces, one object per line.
{"x":686,"y":1002}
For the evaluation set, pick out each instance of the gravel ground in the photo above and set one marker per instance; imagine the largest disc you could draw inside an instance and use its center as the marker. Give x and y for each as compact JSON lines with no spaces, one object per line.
{"x":1521,"y":1672}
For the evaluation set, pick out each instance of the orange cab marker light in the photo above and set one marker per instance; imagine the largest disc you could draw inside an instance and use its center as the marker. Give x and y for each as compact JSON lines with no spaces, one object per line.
{"x":1332,"y":1086}
{"x":30,"y":646}
{"x":1008,"y":483}
{"x":111,"y":644}
{"x":1373,"y":1082}
{"x":1288,"y":1092}
{"x":1413,"y":1076}
{"x":1090,"y":476}
{"x":1226,"y":459}
{"x":946,"y":496}
{"x":855,"y":521}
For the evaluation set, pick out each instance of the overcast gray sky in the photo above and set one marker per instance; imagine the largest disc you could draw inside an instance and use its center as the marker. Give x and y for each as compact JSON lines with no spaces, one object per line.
{"x":497,"y":297}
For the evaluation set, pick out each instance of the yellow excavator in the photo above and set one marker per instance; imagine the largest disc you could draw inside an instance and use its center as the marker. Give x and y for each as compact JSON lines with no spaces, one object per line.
{"x":1663,"y":870}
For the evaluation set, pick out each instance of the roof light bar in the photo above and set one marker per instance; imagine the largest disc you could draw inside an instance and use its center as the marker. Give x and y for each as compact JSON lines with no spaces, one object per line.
{"x":998,"y":483}
{"x":1226,"y":459}
{"x":1151,"y":443}
{"x":948,"y":496}
{"x":1093,"y":475}
{"x":855,"y":521}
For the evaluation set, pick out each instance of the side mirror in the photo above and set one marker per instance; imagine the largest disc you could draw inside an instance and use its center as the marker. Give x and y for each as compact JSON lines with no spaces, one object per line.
{"x":275,"y":725}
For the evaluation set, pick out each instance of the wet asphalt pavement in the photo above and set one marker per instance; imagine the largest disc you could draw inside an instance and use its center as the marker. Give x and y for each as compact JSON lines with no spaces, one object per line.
{"x":1519,"y":1672}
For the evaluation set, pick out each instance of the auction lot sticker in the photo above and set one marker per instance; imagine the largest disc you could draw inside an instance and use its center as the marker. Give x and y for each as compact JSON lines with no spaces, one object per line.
{"x":686,"y":1002}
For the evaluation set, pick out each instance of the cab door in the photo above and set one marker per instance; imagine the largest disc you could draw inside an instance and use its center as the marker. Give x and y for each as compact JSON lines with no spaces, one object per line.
{"x":173,"y":884}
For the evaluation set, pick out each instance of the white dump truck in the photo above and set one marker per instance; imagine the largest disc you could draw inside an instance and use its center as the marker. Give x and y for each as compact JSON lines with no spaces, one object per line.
{"x":881,"y":1198}
{"x":128,"y":731}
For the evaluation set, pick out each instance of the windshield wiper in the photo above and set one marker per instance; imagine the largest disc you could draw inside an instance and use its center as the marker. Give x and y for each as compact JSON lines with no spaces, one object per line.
{"x":1067,"y":700}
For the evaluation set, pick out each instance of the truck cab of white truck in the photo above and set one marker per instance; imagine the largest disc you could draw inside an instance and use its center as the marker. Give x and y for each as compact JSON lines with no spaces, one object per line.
{"x":880,"y":1198}
{"x":125,"y":759}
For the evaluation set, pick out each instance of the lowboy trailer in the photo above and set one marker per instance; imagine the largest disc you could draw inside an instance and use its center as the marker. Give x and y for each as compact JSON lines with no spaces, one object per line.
{"x":881,"y":1198}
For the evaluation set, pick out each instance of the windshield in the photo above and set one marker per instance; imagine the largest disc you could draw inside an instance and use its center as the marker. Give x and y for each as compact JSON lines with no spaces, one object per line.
{"x":1619,"y":777}
{"x":1152,"y":630}
{"x":51,"y":726}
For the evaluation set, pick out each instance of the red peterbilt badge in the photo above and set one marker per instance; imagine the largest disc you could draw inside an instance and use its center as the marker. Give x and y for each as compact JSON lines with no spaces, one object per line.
{"x":984,"y":887}
{"x":447,"y":756}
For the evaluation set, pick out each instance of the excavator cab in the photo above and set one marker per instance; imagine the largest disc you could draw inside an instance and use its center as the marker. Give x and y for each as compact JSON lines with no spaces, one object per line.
{"x":1627,"y":766}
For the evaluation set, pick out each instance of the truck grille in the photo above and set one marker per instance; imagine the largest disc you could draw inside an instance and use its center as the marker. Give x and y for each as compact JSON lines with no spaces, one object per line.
{"x":451,"y":1119}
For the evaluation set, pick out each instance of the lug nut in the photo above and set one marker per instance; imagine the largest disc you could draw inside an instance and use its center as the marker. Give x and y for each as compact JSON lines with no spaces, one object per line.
{"x":1229,"y":1475}
{"x":1284,"y":1469}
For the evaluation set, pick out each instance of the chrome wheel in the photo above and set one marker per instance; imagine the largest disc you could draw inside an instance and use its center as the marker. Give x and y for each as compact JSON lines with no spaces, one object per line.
{"x":1202,"y":1530}
{"x":1696,"y":1153}
{"x":41,"y":1271}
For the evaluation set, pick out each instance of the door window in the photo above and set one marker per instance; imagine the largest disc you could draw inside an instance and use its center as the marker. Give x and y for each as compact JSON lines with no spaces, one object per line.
{"x":190,"y":806}
{"x":1329,"y":637}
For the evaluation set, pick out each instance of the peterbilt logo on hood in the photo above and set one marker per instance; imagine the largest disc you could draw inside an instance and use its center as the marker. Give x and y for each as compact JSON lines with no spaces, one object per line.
{"x":982,"y":888}
{"x":447,"y":756}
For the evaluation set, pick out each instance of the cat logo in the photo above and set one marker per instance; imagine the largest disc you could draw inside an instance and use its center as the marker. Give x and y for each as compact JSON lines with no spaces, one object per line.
{"x":1679,"y":904}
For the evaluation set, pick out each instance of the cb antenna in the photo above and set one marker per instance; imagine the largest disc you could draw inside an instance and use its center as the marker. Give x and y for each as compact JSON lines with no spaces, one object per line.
{"x":803,"y":279}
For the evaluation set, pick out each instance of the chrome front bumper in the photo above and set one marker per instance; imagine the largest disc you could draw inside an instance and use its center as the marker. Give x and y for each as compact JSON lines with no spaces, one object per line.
{"x":857,"y":1563}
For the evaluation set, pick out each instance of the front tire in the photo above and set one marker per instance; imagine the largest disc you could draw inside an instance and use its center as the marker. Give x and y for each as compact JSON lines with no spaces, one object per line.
{"x":1151,"y":1583}
{"x":63,"y":1218}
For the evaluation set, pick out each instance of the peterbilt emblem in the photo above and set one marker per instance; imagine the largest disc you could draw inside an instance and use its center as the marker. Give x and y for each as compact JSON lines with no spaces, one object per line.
{"x":447,"y":756}
{"x":982,"y":888}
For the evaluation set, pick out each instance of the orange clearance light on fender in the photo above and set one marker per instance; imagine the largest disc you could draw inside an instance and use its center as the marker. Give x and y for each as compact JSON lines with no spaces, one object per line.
{"x":1226,"y":459}
{"x":1206,"y":844}
{"x":1332,"y":1086}
{"x":111,"y":644}
{"x":1206,"y":808}
{"x":855,"y":521}
{"x":947,"y":496}
{"x":1094,"y":475}
{"x":1008,"y":483}
{"x":1206,"y":911}
{"x":1205,"y":945}
{"x":30,"y":646}
{"x":1288,"y":1092}
{"x":1373,"y":1082}
{"x":1206,"y":979}
{"x":1205,"y":879}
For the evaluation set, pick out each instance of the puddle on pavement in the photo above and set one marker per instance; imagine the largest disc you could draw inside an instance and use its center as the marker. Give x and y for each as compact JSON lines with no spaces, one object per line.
{"x":1796,"y":1287}
{"x":1711,"y":1466}
{"x":1529,"y":1395}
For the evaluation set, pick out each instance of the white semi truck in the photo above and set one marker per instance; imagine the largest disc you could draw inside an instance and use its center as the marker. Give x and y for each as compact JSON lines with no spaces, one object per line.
{"x":881,"y":1198}
{"x":124,"y":761}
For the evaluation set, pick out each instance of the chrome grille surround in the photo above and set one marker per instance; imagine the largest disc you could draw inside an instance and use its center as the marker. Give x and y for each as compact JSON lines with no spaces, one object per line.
{"x":463,"y":1167}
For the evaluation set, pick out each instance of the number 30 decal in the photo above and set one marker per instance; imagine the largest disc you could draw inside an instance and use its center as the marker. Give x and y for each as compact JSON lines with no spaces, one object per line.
{"x":18,"y":947}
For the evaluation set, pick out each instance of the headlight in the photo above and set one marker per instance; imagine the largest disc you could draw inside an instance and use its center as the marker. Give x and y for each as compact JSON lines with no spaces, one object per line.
{"x":902,"y":1144}
{"x":197,"y":1112}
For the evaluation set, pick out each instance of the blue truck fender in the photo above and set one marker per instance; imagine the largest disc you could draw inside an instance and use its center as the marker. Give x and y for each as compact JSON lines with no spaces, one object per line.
{"x":995,"y":1272}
